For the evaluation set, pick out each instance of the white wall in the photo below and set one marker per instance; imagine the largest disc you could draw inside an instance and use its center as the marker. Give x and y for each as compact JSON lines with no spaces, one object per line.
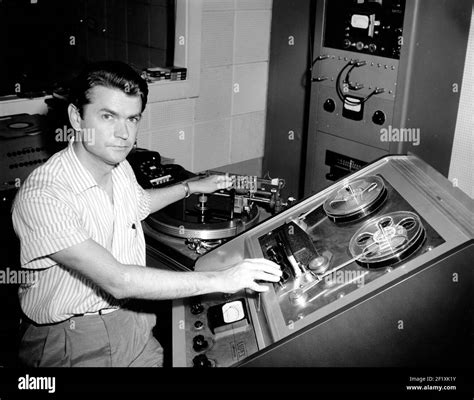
{"x":225,"y":124}
{"x":461,"y":170}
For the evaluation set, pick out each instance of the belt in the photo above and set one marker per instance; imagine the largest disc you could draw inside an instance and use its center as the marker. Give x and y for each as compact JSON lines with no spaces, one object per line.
{"x":100,"y":312}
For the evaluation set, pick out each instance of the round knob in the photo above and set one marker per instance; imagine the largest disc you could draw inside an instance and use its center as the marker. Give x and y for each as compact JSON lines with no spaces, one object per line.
{"x":201,"y":361}
{"x":347,"y":43}
{"x":199,"y":343}
{"x":372,"y":47}
{"x":197,"y":308}
{"x":198,"y":325}
{"x":359,"y":45}
{"x":329,"y":105}
{"x":378,"y":118}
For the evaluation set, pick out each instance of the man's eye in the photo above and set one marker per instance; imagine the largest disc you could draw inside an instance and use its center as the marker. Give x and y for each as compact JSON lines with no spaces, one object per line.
{"x":135,"y":120}
{"x":107,"y":116}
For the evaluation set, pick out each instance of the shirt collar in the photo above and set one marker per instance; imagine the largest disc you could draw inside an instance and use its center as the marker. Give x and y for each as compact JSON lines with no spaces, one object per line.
{"x":80,"y":179}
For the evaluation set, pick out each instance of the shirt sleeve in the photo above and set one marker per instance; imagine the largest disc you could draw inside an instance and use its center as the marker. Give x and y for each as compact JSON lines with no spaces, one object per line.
{"x":45,"y":225}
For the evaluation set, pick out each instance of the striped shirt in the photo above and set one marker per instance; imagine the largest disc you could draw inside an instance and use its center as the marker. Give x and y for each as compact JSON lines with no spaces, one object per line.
{"x":61,"y":205}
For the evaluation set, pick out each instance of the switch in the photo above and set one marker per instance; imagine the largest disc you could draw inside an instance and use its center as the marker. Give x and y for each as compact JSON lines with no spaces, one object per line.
{"x":329,"y":105}
{"x":199,"y":343}
{"x":201,"y":361}
{"x":197,"y":308}
{"x":378,"y":118}
{"x":198,"y":325}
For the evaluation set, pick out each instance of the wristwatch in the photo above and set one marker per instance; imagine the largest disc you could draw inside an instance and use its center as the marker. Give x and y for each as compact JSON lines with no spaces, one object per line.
{"x":186,"y":188}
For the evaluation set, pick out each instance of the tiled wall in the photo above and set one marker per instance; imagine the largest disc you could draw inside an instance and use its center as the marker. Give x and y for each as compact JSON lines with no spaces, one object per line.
{"x":225,"y":124}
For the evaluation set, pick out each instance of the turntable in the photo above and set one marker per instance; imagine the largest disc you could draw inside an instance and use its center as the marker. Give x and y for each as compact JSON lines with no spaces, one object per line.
{"x":180,"y":233}
{"x":372,"y":271}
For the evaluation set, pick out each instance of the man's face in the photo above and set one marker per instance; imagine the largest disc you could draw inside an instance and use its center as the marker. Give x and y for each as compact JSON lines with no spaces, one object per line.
{"x":110,"y":124}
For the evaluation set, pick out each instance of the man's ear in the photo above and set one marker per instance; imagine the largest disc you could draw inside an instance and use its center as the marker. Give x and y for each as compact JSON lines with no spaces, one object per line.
{"x":74,"y":117}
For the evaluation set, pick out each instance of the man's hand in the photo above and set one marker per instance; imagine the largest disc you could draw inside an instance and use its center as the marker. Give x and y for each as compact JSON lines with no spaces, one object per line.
{"x":246,"y":273}
{"x":211,"y":184}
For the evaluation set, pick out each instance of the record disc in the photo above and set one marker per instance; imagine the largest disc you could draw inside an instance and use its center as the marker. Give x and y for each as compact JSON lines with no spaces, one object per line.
{"x":184,"y":219}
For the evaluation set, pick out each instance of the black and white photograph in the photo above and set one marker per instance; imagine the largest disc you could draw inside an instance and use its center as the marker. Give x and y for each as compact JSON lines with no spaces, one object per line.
{"x":236,"y":196}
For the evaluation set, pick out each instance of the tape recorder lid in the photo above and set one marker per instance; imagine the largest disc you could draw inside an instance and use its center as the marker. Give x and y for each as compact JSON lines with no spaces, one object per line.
{"x":19,"y":125}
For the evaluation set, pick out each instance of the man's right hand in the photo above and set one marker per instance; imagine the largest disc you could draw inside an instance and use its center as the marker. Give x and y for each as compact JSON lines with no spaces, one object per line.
{"x":246,"y":273}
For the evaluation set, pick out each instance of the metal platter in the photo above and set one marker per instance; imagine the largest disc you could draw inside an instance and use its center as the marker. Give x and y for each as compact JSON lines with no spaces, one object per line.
{"x":356,"y":199}
{"x":194,"y":218}
{"x":387,"y":240}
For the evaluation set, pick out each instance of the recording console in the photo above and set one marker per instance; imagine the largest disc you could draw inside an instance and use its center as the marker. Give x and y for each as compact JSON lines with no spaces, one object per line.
{"x":377,"y":271}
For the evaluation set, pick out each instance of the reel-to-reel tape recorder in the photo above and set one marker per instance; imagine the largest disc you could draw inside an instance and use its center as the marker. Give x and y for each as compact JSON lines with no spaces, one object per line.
{"x":376,"y":272}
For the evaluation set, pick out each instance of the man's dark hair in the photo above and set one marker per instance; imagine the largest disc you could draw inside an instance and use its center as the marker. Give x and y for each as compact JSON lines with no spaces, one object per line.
{"x":110,"y":74}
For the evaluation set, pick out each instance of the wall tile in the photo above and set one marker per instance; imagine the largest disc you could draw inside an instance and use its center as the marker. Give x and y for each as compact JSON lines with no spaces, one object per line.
{"x":215,"y":5}
{"x":252,"y":36}
{"x":247,"y":136}
{"x":253,"y":4}
{"x":217,"y":38}
{"x":252,"y":88}
{"x":175,"y":143}
{"x":211,"y":145}
{"x":171,"y":113}
{"x":215,"y":96}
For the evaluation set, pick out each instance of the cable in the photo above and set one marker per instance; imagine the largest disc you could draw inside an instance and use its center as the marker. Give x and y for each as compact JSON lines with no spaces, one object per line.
{"x":347,"y":78}
{"x":318,"y":58}
{"x":341,"y":95}
{"x":338,"y":84}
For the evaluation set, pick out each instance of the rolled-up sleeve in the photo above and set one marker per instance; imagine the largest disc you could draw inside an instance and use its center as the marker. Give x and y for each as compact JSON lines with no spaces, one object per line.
{"x":45,"y":225}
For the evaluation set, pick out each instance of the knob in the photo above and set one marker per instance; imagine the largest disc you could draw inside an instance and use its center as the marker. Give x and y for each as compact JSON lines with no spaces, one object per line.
{"x":197,"y":308}
{"x":199,"y":343}
{"x":329,"y":105}
{"x":319,"y":264}
{"x":372,"y":47}
{"x":198,"y":325}
{"x":378,"y":118}
{"x":347,"y":43}
{"x":359,"y":46}
{"x":201,"y":361}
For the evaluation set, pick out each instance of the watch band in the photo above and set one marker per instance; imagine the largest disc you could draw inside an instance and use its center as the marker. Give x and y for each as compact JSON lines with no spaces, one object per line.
{"x":186,"y":188}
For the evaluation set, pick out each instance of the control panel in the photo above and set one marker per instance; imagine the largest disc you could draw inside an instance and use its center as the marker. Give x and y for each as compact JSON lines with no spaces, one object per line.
{"x":369,"y":27}
{"x":24,"y":147}
{"x":218,"y":330}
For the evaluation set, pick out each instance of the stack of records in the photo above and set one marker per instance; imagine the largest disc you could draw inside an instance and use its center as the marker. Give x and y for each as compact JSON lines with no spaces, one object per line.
{"x":155,"y":74}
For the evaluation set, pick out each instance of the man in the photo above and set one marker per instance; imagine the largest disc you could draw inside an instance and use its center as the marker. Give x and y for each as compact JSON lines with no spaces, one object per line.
{"x":78,"y":217}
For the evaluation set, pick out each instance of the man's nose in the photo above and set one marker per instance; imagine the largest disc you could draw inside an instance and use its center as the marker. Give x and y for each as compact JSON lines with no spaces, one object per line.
{"x":121,"y":131}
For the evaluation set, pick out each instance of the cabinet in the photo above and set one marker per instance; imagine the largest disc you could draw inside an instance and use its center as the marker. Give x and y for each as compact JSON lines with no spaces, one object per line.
{"x":288,"y":90}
